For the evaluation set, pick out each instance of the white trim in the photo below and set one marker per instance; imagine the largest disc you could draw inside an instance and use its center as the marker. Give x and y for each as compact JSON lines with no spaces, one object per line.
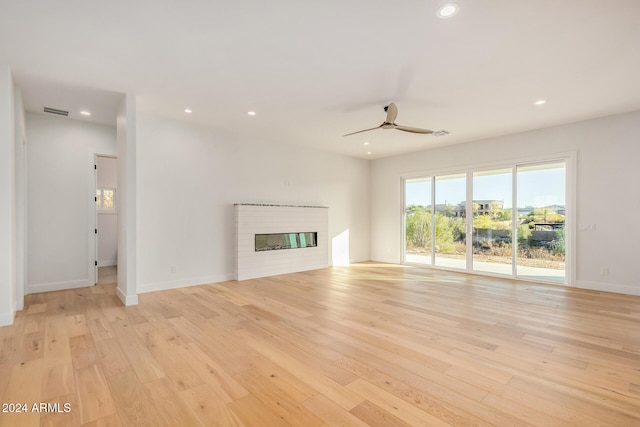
{"x":93,"y":217}
{"x":108,"y":263}
{"x":570,"y":217}
{"x":92,"y":269}
{"x":58,"y":286}
{"x":608,"y":287}
{"x":126,"y":300}
{"x":184,"y":283}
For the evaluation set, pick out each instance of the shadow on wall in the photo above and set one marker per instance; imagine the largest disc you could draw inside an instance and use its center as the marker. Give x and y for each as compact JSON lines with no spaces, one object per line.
{"x":340,"y":249}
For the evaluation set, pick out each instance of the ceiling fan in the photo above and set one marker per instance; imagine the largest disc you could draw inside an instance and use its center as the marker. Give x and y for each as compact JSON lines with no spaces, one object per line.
{"x":389,"y":123}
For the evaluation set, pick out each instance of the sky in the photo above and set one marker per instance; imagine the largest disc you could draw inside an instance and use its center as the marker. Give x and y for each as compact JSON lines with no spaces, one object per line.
{"x":538,"y":186}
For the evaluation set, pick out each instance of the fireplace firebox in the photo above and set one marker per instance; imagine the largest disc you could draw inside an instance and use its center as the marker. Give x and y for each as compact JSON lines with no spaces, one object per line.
{"x":277,"y":241}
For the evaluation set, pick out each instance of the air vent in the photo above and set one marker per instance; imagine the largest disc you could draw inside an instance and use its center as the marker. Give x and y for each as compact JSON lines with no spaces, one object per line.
{"x":55,"y":111}
{"x":440,"y":133}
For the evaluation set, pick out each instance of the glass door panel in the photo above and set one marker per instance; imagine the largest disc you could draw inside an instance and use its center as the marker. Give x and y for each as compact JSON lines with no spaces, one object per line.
{"x":418,"y":216}
{"x":493,"y":221}
{"x":449,"y":221}
{"x":541,"y":202}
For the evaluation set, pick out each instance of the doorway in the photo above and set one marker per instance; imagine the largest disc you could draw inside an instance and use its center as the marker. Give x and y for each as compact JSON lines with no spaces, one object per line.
{"x":106,"y":219}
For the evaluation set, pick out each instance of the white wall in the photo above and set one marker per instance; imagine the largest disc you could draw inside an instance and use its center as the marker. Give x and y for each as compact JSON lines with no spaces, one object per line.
{"x":608,"y":191}
{"x":190,"y":176}
{"x":8,"y":292}
{"x":60,"y":199}
{"x":107,"y":221}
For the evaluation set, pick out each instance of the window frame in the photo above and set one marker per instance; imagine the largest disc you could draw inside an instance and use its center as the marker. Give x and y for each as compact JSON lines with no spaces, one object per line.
{"x":570,"y":160}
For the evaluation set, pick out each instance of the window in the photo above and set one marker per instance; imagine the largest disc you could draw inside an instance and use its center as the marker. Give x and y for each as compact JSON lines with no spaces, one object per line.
{"x":106,"y":199}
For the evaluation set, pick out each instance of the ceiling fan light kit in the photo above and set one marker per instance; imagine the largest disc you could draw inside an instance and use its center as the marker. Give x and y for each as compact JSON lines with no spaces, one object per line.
{"x":440,"y":133}
{"x":390,"y":123}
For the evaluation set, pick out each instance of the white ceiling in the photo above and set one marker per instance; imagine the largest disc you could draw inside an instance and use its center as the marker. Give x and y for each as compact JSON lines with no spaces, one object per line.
{"x":314,"y":71}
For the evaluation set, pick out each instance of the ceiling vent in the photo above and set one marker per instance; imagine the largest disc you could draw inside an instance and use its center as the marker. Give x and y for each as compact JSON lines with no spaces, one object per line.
{"x":55,"y":111}
{"x":440,"y":133}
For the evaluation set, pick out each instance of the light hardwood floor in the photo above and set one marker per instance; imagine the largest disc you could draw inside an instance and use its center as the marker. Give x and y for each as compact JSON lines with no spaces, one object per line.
{"x":369,"y":344}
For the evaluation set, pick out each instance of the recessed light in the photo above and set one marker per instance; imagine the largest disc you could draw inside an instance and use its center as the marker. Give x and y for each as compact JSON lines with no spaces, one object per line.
{"x":85,"y":113}
{"x":540,"y":102}
{"x":368,"y":152}
{"x":366,"y":143}
{"x":188,"y":110}
{"x":447,"y":10}
{"x":251,"y":113}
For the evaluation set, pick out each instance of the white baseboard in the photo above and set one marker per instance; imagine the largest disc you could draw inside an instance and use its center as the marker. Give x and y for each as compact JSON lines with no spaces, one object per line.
{"x":57,"y":286}
{"x":6,"y":319}
{"x":608,"y":287}
{"x":183,"y":283}
{"x":127,"y":300}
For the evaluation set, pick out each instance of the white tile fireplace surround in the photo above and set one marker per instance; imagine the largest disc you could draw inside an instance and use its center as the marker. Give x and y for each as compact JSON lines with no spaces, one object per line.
{"x":280,"y":239}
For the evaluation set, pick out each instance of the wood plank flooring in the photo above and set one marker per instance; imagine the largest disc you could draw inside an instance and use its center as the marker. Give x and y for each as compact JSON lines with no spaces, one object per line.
{"x":368,"y":344}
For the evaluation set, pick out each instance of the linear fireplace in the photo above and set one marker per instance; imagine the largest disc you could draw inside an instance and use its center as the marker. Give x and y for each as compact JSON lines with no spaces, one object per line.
{"x":280,"y":239}
{"x":277,"y":241}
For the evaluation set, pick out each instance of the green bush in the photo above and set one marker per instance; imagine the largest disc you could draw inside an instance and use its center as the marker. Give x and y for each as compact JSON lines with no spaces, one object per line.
{"x":418,"y":227}
{"x":524,"y":233}
{"x":418,"y":232}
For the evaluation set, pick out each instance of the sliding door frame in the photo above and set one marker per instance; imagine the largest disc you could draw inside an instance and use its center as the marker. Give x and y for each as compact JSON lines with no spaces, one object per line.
{"x":570,"y":160}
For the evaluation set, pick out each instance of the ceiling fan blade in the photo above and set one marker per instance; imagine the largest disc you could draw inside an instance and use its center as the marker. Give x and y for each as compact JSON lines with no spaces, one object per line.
{"x":392,"y":113}
{"x":413,"y":130}
{"x":366,"y":130}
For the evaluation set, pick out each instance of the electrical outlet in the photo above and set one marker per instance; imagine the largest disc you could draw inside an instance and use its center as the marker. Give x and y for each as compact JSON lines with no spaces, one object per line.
{"x":604,"y":271}
{"x":174,"y":269}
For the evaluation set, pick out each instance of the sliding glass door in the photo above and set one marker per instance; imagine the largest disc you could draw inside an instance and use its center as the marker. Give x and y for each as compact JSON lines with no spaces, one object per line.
{"x":450,"y":213}
{"x":418,"y":213}
{"x":493,"y":221}
{"x":541,"y":221}
{"x":515,"y":216}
